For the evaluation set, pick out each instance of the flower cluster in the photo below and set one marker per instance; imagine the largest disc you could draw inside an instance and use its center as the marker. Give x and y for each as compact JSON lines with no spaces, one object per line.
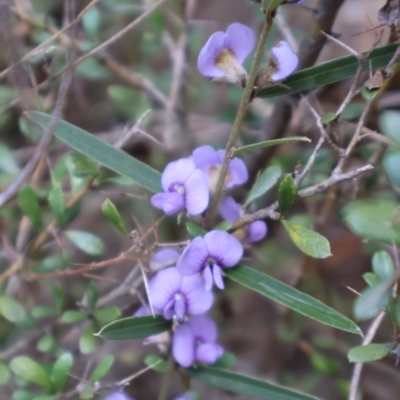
{"x":123,"y":396}
{"x":222,"y":56}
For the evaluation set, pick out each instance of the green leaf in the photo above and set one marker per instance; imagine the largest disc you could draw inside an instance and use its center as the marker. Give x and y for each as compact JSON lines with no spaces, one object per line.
{"x":227,"y":360}
{"x":329,"y":72}
{"x":112,"y":214}
{"x":195,"y":229}
{"x":11,"y":309}
{"x":87,"y":392}
{"x":31,"y":371}
{"x":102,"y":152}
{"x":370,"y":279}
{"x":87,"y":342}
{"x":290,"y":297}
{"x":83,"y":166}
{"x":286,"y":194}
{"x":46,"y":343}
{"x":158,"y":363}
{"x":29,"y":205}
{"x":7,"y":161}
{"x":372,"y":219}
{"x":22,"y":395}
{"x":135,"y":328}
{"x":42,"y":312}
{"x":324,"y":364}
{"x":87,"y":242}
{"x":101,"y":369}
{"x":57,"y":202}
{"x":264,"y":182}
{"x":223,"y":226}
{"x":389,"y":121}
{"x":106,"y":315}
{"x":269,"y":143}
{"x":308,"y":241}
{"x":61,"y":370}
{"x":91,"y":295}
{"x":73,"y":316}
{"x":5,"y":374}
{"x":274,"y":4}
{"x":370,"y":352}
{"x":369,"y":94}
{"x":238,"y":383}
{"x":391,"y":165}
{"x":372,"y":301}
{"x":59,"y":297}
{"x":328,"y":117}
{"x":91,"y":22}
{"x":382,"y":265}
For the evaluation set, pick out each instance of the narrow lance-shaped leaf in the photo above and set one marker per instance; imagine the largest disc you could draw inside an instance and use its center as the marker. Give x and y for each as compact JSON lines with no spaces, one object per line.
{"x":28,"y":202}
{"x":112,"y":214}
{"x":101,"y":369}
{"x":57,"y":202}
{"x":238,"y":383}
{"x":60,"y":372}
{"x":329,"y":72}
{"x":286,"y":194}
{"x":264,"y":182}
{"x":102,"y":152}
{"x":370,"y":352}
{"x":269,"y":143}
{"x":134,"y":328}
{"x":311,"y":243}
{"x":291,"y":298}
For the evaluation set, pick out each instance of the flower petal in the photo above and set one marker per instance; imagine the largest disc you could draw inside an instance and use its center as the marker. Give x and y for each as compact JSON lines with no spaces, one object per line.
{"x":198,"y":299}
{"x":172,"y":203}
{"x":208,"y":278}
{"x":208,"y":55}
{"x":193,"y":258}
{"x":183,"y":346}
{"x":230,"y":210}
{"x":285,"y":59}
{"x":206,"y":353}
{"x":238,"y":171}
{"x":203,"y":328}
{"x":205,"y":157}
{"x":164,"y":285}
{"x":255,"y":231}
{"x":180,"y":308}
{"x":241,"y":39}
{"x":118,"y":396}
{"x":196,"y":193}
{"x":158,"y":200}
{"x":224,"y":248}
{"x":164,"y":257}
{"x":217,"y":275}
{"x":176,"y":171}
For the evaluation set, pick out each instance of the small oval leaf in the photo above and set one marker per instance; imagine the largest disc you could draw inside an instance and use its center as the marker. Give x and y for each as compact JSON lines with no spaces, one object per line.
{"x":112,"y":214}
{"x":382,"y":265}
{"x":286,"y":194}
{"x":264,"y":182}
{"x":29,"y":204}
{"x":31,"y":371}
{"x":87,"y":242}
{"x":61,"y":370}
{"x":370,"y":352}
{"x":101,"y":369}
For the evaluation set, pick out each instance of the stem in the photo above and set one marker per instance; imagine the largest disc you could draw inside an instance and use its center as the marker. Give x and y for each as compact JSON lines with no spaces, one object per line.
{"x":167,"y":379}
{"x":244,"y":102}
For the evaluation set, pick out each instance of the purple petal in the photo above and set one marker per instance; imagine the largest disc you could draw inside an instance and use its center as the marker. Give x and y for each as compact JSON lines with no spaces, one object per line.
{"x":220,"y":350}
{"x":198,"y":299}
{"x":224,"y":248}
{"x":208,"y":55}
{"x":118,"y":396}
{"x":238,"y":172}
{"x":230,"y":210}
{"x":241,"y":39}
{"x":172,"y":203}
{"x":158,"y":200}
{"x":208,"y":278}
{"x":217,"y":275}
{"x":220,"y":156}
{"x":256,"y":231}
{"x":206,"y":353}
{"x":164,"y":285}
{"x":180,"y":308}
{"x":193,"y":258}
{"x":285,"y":60}
{"x":196,"y":193}
{"x":142,"y":311}
{"x":176,"y":171}
{"x":203,"y":328}
{"x":183,"y":346}
{"x":205,"y":157}
{"x":164,"y":257}
{"x":169,"y":310}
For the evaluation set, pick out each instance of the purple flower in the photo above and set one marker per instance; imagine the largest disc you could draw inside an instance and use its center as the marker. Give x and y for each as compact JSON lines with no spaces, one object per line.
{"x":164,"y":258}
{"x":285,"y":60}
{"x":224,"y":53}
{"x":210,"y":161}
{"x":118,"y":396}
{"x":196,"y":341}
{"x":184,"y":187}
{"x":231,"y":211}
{"x":178,"y":296}
{"x":218,"y":249}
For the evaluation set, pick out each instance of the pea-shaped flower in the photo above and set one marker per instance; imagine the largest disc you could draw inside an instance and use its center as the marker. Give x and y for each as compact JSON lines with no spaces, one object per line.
{"x":178,"y":296}
{"x":224,"y":53}
{"x":218,"y":249}
{"x":164,"y":258}
{"x":210,"y":161}
{"x":184,"y":187}
{"x":196,"y":341}
{"x":253,"y":232}
{"x":285,"y":61}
